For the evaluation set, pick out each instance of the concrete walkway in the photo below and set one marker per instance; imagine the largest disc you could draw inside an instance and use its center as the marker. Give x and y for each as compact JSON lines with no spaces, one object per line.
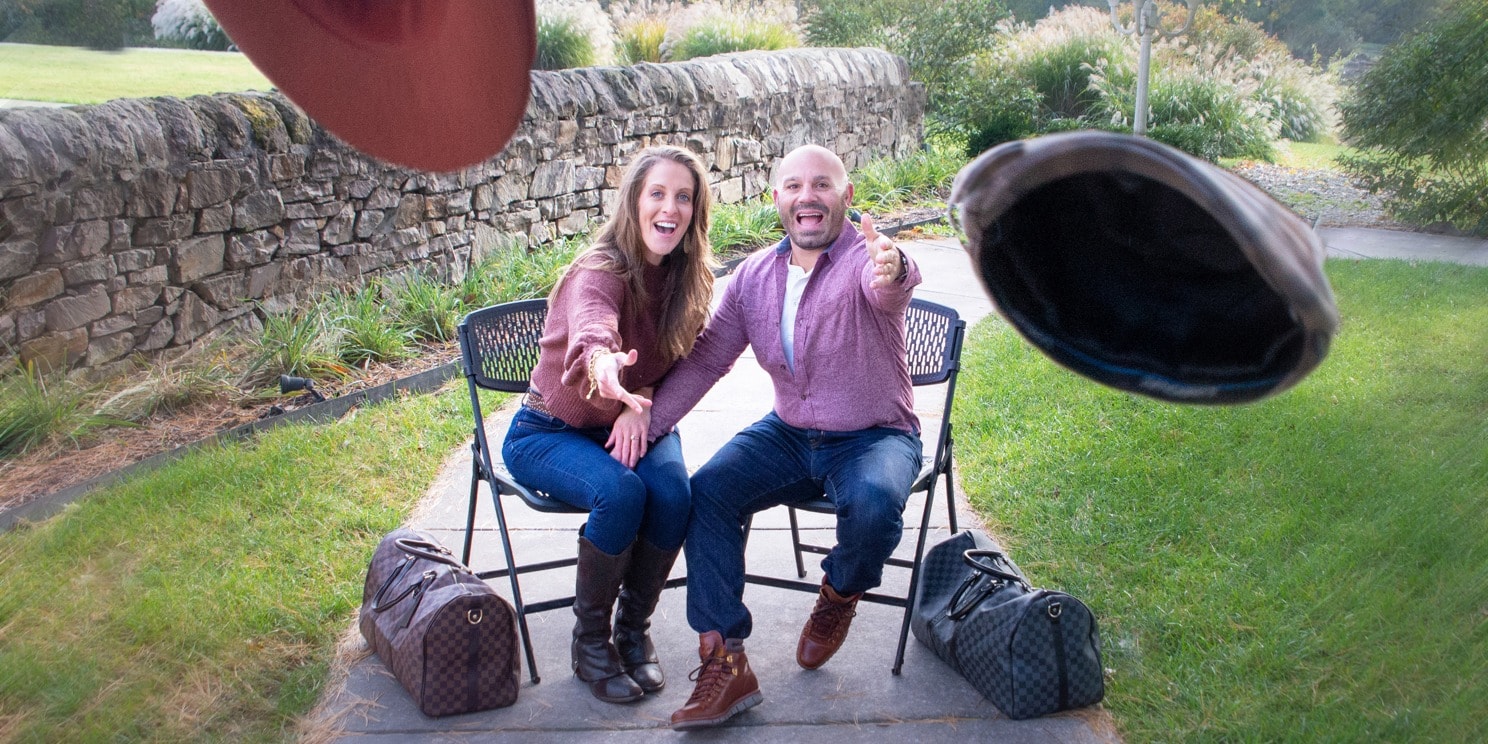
{"x":853,"y":698}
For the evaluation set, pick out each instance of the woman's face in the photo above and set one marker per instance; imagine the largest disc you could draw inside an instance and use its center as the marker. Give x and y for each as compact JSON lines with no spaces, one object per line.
{"x":664,"y":210}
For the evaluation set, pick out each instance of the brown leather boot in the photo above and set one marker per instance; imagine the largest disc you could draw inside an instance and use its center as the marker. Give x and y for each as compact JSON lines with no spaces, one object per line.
{"x":827,"y":627}
{"x":725,"y":687}
{"x":644,"y":580}
{"x":595,"y":659}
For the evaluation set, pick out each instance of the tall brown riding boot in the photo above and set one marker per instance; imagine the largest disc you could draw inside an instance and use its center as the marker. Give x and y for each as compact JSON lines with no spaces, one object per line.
{"x":827,"y":628}
{"x":644,"y":580}
{"x":725,"y":688}
{"x":595,"y":659}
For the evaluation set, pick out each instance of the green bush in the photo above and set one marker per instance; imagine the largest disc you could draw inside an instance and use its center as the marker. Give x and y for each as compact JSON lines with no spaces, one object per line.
{"x":301,"y":343}
{"x":1424,"y":134}
{"x":35,"y":408}
{"x":96,"y":24}
{"x":561,"y":45}
{"x":938,"y":39}
{"x":744,"y":226}
{"x":723,"y":35}
{"x":1230,"y":94}
{"x":368,"y":332}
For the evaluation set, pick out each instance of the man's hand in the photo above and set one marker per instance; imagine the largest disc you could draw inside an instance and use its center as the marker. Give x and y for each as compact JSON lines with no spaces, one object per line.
{"x":888,"y":263}
{"x":607,"y":366}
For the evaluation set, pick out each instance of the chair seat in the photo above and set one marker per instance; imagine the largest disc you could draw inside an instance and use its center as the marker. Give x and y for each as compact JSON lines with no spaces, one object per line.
{"x":536,"y":500}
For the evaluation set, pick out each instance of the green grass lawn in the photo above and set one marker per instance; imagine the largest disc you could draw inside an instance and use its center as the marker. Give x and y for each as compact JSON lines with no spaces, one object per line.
{"x":203,"y":601}
{"x":1313,"y":567}
{"x":72,"y":75}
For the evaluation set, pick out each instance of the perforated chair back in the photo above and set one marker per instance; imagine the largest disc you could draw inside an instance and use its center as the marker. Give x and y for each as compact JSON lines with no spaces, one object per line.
{"x":927,"y":334}
{"x":498,"y":344}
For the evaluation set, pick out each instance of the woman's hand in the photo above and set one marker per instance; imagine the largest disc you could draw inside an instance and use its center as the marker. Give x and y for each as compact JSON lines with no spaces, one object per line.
{"x":627,"y":442}
{"x":606,"y":367}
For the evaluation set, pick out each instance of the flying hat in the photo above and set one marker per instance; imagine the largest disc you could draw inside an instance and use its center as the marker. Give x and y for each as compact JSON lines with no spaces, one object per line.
{"x":430,"y":84}
{"x":1146,"y":269}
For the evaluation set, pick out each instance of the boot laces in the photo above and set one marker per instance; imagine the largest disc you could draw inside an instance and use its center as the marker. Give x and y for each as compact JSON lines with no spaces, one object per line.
{"x":828,"y":618}
{"x":711,"y":677}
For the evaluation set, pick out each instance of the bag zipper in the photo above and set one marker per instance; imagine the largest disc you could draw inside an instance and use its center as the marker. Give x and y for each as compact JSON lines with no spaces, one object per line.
{"x":1055,"y":609}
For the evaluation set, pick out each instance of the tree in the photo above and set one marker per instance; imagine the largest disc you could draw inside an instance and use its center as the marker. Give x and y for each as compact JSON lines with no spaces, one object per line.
{"x":1421,"y":119}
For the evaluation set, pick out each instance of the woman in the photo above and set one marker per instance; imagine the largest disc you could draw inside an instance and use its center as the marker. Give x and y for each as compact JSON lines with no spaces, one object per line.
{"x":625,"y":310}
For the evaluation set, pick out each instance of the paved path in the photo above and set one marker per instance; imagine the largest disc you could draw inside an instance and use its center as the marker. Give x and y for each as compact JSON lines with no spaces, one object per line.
{"x":853,"y":698}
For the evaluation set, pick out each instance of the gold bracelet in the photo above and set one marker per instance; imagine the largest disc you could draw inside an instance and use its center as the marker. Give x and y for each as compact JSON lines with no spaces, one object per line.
{"x":593,"y":377}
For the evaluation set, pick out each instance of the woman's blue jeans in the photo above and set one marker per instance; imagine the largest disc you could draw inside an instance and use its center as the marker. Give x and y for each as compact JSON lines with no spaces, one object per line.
{"x":572,"y":466}
{"x":866,"y":473}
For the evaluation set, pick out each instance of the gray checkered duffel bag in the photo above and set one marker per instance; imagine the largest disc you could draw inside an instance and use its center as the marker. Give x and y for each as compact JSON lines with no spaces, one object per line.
{"x":447,"y":637}
{"x":1030,"y":651}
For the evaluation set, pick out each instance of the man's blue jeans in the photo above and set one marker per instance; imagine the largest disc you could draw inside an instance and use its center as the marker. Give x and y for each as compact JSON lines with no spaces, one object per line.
{"x":572,"y":466}
{"x":866,"y":473}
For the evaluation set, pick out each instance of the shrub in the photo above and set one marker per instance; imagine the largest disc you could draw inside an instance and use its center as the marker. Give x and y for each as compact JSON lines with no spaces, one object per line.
{"x":1424,"y":133}
{"x":640,"y":40}
{"x":938,"y":39}
{"x":367,"y":332}
{"x":890,"y":183}
{"x":35,"y":408}
{"x":573,"y":33}
{"x":427,"y":308}
{"x":1230,"y":93}
{"x":709,"y":28}
{"x":96,"y":24}
{"x":300,"y":343}
{"x":512,"y":272}
{"x":189,"y":24}
{"x":744,"y":226}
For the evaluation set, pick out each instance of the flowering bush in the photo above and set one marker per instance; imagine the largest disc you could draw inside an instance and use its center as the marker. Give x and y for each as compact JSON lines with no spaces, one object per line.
{"x":190,"y":24}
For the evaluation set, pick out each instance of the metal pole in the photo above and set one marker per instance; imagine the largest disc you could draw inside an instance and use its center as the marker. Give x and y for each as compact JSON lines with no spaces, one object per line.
{"x":1144,"y":66}
{"x":1145,"y":22}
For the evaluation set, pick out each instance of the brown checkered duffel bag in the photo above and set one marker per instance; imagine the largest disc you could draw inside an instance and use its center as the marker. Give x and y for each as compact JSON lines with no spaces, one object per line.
{"x":445,"y":634}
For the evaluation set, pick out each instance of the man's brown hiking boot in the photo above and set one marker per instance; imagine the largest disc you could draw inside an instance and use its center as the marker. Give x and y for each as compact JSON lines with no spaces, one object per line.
{"x":725,"y":685}
{"x":827,"y":628}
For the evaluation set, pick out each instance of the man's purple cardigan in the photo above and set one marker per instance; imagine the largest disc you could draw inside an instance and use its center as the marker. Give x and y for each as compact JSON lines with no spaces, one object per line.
{"x":850,"y":371}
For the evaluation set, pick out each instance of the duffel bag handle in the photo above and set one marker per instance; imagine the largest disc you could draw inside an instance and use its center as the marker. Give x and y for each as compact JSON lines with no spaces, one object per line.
{"x":973,"y":558}
{"x":429,"y":551}
{"x":959,"y":609}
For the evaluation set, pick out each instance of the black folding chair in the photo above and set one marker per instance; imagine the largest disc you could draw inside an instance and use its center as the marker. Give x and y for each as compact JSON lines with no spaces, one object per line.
{"x":498,"y":347}
{"x":933,"y":335}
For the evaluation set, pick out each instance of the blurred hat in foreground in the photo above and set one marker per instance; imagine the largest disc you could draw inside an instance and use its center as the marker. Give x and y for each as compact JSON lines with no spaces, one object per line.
{"x":430,"y":84}
{"x":1146,"y":269}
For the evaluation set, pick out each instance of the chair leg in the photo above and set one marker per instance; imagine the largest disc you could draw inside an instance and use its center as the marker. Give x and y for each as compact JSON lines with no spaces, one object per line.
{"x":950,"y":486}
{"x":914,"y":578}
{"x":796,"y":543}
{"x":511,"y":568}
{"x":475,"y":479}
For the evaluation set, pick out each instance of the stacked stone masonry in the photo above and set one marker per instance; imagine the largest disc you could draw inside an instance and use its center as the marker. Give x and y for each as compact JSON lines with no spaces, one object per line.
{"x":145,"y":225}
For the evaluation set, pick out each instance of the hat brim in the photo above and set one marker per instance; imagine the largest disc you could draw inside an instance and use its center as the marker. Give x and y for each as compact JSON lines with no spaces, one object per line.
{"x":434,"y":85}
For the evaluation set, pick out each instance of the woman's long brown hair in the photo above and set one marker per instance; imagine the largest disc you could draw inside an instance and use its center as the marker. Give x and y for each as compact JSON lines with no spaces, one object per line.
{"x":619,"y":248}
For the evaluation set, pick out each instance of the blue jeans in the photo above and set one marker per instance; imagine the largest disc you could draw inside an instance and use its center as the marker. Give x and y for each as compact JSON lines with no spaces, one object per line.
{"x":866,"y":473}
{"x":572,"y":466}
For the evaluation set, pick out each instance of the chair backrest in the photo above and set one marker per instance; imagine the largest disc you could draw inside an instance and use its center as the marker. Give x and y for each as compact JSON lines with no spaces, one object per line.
{"x":498,"y":344}
{"x":932,"y":335}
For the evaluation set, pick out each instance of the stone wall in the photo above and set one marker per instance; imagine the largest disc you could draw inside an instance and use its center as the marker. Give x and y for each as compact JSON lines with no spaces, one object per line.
{"x":142,"y":225}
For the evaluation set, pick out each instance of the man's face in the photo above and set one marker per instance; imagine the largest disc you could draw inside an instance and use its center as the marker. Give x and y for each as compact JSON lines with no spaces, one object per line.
{"x":812,"y":193}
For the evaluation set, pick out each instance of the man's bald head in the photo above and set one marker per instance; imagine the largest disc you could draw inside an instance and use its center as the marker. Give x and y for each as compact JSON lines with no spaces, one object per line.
{"x":811,"y":158}
{"x":812,"y":194}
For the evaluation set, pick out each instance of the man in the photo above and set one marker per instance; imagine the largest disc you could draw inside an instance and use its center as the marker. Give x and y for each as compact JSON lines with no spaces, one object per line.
{"x":824,"y":312}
